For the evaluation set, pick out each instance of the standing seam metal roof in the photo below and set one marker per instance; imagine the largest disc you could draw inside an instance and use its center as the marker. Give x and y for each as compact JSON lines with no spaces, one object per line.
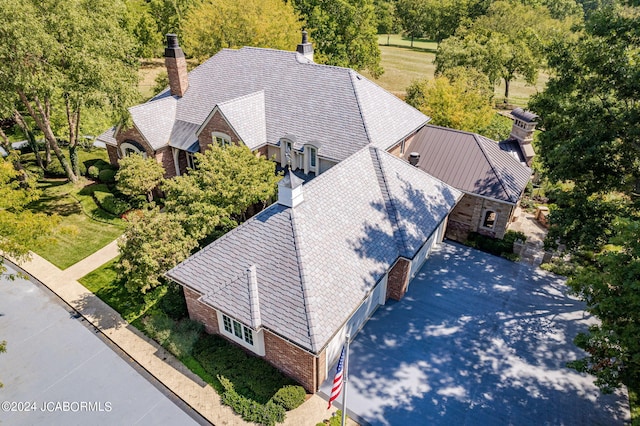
{"x":471,"y":163}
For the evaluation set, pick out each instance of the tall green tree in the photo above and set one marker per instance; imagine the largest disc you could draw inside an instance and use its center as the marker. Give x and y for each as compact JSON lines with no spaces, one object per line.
{"x":413,"y":15}
{"x":460,"y":101}
{"x":504,"y":44}
{"x":72,"y":55}
{"x":386,"y":17}
{"x":19,"y":227}
{"x":343,"y":32}
{"x":591,"y":116}
{"x":226,"y":182}
{"x":212,"y":25}
{"x":139,"y":176}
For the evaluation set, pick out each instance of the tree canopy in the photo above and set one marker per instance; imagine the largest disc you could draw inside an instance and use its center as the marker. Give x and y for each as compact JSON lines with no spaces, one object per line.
{"x":139,"y":176}
{"x":460,"y":100}
{"x":212,"y":25}
{"x":590,"y":112}
{"x":504,"y":44}
{"x":199,"y":206}
{"x":19,"y":228}
{"x":58,"y":58}
{"x":343,"y":32}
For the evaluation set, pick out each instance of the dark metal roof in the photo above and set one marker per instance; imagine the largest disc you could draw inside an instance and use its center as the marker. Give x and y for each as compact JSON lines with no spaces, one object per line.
{"x":523,"y":115}
{"x":471,"y":163}
{"x":183,"y":135}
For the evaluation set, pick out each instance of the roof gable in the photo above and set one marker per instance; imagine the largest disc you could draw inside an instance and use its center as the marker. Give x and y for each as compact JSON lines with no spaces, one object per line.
{"x":246,"y":116}
{"x":155,"y":120}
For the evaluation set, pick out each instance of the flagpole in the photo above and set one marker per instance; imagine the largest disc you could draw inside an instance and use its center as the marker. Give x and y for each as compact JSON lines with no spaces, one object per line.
{"x":345,"y":378}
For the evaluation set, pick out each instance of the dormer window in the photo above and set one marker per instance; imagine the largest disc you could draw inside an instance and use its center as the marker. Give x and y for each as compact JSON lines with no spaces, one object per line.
{"x":313,"y":157}
{"x":287,"y":155}
{"x":221,"y":139}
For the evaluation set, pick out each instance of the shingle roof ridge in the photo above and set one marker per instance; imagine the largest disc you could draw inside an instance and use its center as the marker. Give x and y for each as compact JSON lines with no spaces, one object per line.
{"x":392,"y":212}
{"x":479,"y":139}
{"x":307,"y":292}
{"x":240,"y":98}
{"x":352,"y":75}
{"x":295,"y":55}
{"x":464,"y":132}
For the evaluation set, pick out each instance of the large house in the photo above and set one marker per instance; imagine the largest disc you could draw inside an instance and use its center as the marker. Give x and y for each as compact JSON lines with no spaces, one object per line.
{"x":289,"y":283}
{"x":278,"y":103}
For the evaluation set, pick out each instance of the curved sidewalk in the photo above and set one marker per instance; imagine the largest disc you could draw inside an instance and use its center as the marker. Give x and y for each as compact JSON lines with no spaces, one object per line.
{"x":147,"y":353}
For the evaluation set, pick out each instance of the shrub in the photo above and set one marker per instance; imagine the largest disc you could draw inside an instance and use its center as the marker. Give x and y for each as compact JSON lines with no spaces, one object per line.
{"x":101,"y":165}
{"x":264,"y":414}
{"x":109,"y":202}
{"x":290,"y":397}
{"x":503,"y":247}
{"x":107,"y":175}
{"x":93,"y":172}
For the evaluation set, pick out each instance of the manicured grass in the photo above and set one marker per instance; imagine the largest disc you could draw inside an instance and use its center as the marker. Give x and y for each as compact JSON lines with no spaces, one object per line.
{"x":403,"y":64}
{"x":147,"y":73}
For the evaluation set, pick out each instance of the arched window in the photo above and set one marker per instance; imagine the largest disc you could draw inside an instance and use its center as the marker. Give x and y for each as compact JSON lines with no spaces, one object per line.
{"x":130,"y":147}
{"x":221,"y":139}
{"x":489,"y":219}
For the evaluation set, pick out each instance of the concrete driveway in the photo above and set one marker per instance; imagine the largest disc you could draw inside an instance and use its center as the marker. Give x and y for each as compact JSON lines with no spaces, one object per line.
{"x":58,"y":371}
{"x":477,"y":340}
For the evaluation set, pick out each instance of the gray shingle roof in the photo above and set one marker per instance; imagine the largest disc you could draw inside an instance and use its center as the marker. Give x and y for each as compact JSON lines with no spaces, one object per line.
{"x":471,"y":163}
{"x":108,"y":136}
{"x":155,"y":120}
{"x":246,"y":116}
{"x":335,"y":106}
{"x":317,"y":262}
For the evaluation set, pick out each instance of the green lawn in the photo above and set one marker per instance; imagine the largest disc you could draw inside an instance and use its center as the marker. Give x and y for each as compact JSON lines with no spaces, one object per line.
{"x":403,"y":64}
{"x":84,"y":228}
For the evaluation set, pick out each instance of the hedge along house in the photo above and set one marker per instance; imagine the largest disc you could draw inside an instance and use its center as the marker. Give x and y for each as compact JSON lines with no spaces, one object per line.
{"x":491,"y":179}
{"x":278,"y":103}
{"x":289,"y":283}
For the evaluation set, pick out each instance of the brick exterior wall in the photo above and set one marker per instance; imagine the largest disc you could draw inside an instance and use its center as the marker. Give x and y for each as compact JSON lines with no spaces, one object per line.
{"x":177,"y":72}
{"x":398,"y":279}
{"x":468,"y":216}
{"x":164,"y":156}
{"x":217,"y":123}
{"x":134,"y":135}
{"x":291,"y":360}
{"x":263,"y":151}
{"x":112,"y":151}
{"x":200,"y":312}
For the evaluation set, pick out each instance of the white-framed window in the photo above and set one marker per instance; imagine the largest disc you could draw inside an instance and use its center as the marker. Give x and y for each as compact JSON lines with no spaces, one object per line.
{"x":239,"y":330}
{"x":221,"y":139}
{"x":489,"y":220}
{"x":191,"y":160}
{"x":402,"y":148}
{"x":313,"y":158}
{"x":128,"y":149}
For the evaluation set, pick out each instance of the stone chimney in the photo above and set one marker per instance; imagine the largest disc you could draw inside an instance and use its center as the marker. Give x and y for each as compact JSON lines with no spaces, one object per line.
{"x":290,"y":190}
{"x":524,"y":124}
{"x":414,"y":157}
{"x":305,"y":48}
{"x":176,"y":66}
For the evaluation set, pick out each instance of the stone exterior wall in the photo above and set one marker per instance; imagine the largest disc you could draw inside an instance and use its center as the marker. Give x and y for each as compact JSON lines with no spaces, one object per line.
{"x":200,"y":312}
{"x":217,"y":123}
{"x":398,"y":279}
{"x":292,"y":361}
{"x":468,"y":216}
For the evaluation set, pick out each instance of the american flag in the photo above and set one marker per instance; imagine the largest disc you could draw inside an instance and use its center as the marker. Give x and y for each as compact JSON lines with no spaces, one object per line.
{"x":337,"y":379}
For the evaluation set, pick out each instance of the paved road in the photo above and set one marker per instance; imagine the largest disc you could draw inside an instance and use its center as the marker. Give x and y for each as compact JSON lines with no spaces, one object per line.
{"x":66,"y":373}
{"x":477,"y":340}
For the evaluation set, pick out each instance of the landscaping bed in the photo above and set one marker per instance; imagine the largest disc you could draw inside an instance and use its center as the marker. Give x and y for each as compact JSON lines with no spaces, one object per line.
{"x":252,"y":387}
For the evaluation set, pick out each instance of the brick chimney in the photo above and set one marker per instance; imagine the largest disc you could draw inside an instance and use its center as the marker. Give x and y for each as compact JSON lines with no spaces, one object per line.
{"x":305,"y":48}
{"x":176,"y":66}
